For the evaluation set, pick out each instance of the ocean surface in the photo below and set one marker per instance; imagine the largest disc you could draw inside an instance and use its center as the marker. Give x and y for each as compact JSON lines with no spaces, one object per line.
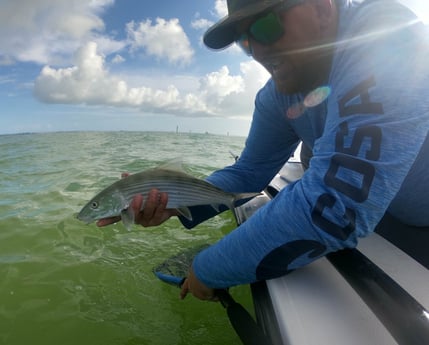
{"x":65,"y":282}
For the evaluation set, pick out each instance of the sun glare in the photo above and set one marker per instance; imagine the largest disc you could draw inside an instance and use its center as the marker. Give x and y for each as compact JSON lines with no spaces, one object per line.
{"x":420,"y":7}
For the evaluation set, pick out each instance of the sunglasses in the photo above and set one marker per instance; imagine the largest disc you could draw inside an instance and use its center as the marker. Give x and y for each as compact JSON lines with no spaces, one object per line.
{"x":267,"y":29}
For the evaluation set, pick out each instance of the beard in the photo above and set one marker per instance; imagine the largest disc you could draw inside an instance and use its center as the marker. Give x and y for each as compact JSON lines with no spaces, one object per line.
{"x":299,"y":70}
{"x":301,"y":77}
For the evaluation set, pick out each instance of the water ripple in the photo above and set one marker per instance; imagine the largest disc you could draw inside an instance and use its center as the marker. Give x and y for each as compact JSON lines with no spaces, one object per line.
{"x":61,"y":276}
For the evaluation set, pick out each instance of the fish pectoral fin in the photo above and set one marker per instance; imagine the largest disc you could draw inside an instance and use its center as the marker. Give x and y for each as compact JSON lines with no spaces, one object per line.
{"x":216,"y":207}
{"x":185,"y":212}
{"x":127,"y":216}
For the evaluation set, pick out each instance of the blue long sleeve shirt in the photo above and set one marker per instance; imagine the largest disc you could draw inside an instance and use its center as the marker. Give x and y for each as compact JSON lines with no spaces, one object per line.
{"x":370,"y":152}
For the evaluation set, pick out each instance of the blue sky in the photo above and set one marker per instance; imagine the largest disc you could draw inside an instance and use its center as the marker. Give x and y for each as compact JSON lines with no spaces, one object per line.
{"x":122,"y":65}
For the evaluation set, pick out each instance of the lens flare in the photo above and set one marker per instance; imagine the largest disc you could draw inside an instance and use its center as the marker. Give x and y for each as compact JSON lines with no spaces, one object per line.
{"x":295,"y":111}
{"x":317,"y":96}
{"x":313,"y":99}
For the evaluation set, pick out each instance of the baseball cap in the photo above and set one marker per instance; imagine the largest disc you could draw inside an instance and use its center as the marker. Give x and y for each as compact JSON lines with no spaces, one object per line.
{"x":223,"y":33}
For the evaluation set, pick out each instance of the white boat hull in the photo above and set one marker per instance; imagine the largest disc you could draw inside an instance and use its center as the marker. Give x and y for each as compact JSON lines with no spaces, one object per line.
{"x":317,"y":305}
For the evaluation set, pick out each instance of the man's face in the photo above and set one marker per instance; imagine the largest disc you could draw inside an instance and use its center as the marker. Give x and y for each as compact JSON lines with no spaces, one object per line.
{"x":297,"y":61}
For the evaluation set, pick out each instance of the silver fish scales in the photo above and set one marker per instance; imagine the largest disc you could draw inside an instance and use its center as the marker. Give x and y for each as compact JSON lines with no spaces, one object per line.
{"x":183,"y":191}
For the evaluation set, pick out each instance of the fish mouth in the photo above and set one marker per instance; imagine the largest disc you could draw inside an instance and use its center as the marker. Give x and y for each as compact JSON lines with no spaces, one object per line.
{"x":83,"y":218}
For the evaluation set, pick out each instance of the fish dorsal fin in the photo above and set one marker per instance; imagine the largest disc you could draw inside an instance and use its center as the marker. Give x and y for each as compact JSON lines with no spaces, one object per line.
{"x":175,"y":164}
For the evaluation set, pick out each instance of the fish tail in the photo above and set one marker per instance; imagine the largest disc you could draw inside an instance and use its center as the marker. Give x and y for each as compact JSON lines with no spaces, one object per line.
{"x":243,"y":198}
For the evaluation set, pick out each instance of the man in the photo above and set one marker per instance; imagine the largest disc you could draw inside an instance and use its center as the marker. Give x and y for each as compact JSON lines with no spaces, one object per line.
{"x":369,"y":137}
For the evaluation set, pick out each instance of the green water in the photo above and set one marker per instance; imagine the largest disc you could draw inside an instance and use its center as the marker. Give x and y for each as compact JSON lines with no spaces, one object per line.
{"x":64,"y":282}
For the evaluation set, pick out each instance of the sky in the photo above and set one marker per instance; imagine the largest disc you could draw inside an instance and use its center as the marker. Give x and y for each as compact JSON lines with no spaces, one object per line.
{"x":68,"y":65}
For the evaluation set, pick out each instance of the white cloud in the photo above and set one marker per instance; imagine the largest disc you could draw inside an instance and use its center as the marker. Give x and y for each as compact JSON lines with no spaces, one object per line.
{"x":221,"y":8}
{"x":220,"y":84}
{"x":46,"y":31}
{"x":165,"y":39}
{"x":421,"y":8}
{"x":90,"y":82}
{"x":201,"y":24}
{"x":118,"y":59}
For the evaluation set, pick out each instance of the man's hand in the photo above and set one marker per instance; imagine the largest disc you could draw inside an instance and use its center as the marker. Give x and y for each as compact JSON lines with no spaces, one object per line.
{"x":197,"y":288}
{"x":149,"y":212}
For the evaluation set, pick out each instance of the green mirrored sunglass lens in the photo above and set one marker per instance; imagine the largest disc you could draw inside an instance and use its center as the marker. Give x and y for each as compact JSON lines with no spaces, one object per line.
{"x":267,"y":30}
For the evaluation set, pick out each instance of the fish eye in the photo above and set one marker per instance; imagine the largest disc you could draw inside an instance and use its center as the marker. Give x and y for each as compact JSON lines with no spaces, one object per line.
{"x":94,"y":205}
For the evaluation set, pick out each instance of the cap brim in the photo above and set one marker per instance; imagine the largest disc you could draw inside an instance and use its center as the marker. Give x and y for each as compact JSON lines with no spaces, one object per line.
{"x":223,"y":33}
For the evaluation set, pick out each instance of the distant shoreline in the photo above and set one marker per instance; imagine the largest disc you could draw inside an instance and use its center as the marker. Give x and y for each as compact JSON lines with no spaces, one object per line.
{"x":123,"y":131}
